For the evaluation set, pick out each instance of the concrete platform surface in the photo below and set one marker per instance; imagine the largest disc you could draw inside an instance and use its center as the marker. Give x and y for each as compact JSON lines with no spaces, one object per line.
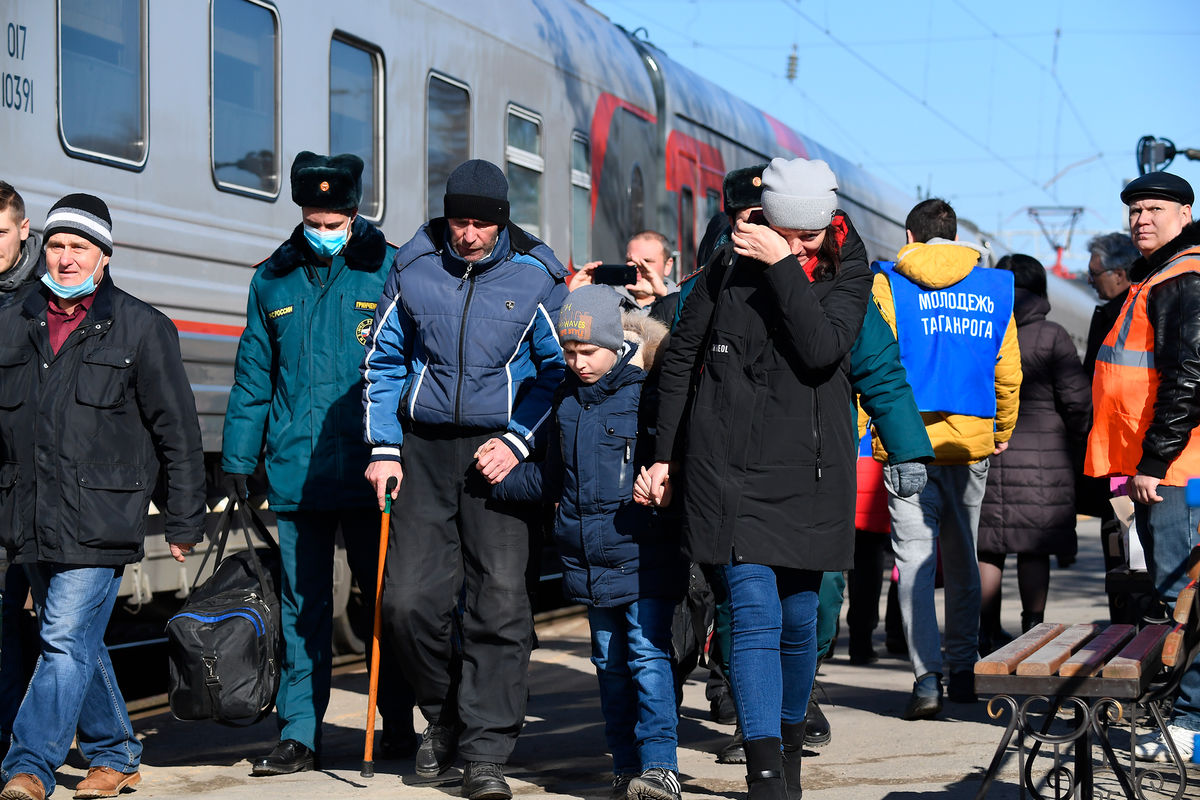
{"x":874,"y":755}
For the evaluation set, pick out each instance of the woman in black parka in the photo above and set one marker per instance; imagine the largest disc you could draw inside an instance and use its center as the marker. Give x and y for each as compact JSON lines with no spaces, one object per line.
{"x":1029,"y":506}
{"x":757,"y":365}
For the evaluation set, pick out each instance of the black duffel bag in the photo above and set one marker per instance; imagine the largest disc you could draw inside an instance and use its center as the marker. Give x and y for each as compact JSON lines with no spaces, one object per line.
{"x":224,"y":644}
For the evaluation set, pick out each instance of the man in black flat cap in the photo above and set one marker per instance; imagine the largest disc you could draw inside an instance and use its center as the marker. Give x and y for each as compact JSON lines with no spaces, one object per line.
{"x":1146,"y":394}
{"x":462,"y":365}
{"x":296,"y":383}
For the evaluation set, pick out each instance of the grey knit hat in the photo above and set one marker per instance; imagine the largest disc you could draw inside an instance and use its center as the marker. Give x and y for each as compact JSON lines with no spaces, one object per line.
{"x":799,"y":194}
{"x":83,"y":215}
{"x":592,"y":315}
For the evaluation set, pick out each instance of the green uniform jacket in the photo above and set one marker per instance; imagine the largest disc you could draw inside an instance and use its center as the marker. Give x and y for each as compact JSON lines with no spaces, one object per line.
{"x":297,"y":391}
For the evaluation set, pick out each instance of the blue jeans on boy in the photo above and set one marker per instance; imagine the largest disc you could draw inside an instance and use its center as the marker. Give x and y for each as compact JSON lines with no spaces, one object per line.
{"x":945,"y":512}
{"x":1168,"y":534}
{"x":773,"y":657}
{"x":73,"y":688}
{"x":631,"y":646}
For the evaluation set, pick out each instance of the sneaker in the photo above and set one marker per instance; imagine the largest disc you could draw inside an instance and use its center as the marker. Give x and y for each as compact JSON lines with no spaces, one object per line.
{"x":656,"y":783}
{"x":620,"y":787}
{"x":1153,"y":747}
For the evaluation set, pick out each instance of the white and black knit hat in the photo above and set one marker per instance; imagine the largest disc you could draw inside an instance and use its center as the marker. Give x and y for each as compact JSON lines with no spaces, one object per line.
{"x":83,"y":215}
{"x":799,"y":194}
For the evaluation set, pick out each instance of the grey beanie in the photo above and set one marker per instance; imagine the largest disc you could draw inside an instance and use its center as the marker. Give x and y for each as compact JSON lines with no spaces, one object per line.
{"x":799,"y":194}
{"x":592,"y":315}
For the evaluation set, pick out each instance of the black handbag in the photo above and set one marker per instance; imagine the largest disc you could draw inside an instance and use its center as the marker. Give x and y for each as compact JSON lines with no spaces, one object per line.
{"x":224,"y":644}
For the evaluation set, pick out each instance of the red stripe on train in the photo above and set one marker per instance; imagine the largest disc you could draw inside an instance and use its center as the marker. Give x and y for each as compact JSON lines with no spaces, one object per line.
{"x":212,"y":328}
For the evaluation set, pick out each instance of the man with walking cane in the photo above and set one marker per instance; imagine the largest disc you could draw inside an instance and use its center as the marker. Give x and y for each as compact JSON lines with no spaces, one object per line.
{"x":297,"y":388}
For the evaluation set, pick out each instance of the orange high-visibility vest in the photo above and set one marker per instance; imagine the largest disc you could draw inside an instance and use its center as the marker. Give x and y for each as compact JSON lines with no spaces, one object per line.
{"x":1126,"y":385}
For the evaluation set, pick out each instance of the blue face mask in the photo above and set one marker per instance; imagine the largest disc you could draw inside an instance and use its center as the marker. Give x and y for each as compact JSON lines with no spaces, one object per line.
{"x":72,"y":292}
{"x":326,"y":244}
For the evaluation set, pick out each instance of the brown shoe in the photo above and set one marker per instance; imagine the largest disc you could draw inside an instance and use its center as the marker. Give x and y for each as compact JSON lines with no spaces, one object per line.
{"x":24,"y":786}
{"x":106,"y":782}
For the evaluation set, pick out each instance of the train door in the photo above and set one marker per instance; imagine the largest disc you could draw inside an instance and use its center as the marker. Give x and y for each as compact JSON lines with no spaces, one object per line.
{"x":623,"y":161}
{"x":694,"y":169}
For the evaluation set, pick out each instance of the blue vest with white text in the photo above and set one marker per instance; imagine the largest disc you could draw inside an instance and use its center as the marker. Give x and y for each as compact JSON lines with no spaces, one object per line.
{"x":950,"y":338}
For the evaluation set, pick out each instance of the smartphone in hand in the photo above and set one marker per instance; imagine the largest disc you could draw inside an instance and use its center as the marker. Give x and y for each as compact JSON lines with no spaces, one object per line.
{"x":615,"y":274}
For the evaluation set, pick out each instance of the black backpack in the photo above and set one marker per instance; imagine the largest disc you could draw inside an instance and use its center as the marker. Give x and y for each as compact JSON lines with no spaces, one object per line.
{"x":224,"y":644}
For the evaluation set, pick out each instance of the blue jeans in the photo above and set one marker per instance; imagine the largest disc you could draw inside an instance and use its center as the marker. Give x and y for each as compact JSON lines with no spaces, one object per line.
{"x":944,"y":516}
{"x":1168,"y":534}
{"x":773,"y":657}
{"x":306,"y":542}
{"x":631,"y":646}
{"x":73,"y":686}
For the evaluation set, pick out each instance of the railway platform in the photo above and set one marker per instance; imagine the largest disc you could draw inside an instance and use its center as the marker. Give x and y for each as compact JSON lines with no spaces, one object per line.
{"x":874,"y":755}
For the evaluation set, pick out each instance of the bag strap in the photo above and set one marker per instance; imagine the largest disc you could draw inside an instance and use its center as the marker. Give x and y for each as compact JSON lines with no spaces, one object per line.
{"x":245,"y":513}
{"x":224,"y":523}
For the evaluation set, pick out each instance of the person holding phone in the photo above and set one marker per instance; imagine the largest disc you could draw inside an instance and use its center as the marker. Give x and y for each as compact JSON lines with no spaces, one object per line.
{"x":768,"y":451}
{"x":644,"y":285}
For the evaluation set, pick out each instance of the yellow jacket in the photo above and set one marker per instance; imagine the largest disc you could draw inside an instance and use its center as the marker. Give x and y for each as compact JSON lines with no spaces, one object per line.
{"x":956,"y":438}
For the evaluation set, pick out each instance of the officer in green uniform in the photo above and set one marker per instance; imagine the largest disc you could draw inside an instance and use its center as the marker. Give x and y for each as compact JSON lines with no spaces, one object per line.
{"x":297,"y":389}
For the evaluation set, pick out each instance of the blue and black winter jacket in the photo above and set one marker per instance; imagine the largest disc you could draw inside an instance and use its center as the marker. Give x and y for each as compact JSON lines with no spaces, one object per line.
{"x":613,"y":550}
{"x":466,"y":346}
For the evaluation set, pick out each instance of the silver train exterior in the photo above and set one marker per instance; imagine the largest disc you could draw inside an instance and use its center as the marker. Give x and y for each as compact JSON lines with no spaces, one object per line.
{"x":185,"y":116}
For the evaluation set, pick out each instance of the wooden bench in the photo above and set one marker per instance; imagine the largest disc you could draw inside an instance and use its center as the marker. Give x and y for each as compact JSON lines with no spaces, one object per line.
{"x":1102,"y":674}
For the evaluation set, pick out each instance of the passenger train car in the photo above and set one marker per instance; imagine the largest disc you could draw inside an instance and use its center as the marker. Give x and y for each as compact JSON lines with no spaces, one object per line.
{"x":185,"y":116}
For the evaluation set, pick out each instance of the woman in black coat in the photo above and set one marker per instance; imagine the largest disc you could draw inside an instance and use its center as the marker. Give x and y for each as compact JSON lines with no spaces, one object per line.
{"x":1029,"y":507}
{"x":768,"y":455}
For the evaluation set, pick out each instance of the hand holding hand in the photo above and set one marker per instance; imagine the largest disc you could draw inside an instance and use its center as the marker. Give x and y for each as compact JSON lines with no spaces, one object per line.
{"x":378,"y":473}
{"x":653,"y":485}
{"x":494,"y":459}
{"x":759,"y":242}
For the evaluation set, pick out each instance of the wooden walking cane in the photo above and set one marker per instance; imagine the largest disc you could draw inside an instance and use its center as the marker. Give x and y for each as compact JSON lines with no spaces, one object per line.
{"x":368,"y":764}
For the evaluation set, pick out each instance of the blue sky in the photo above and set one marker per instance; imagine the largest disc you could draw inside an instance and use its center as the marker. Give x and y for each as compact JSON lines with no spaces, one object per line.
{"x":995,"y":106}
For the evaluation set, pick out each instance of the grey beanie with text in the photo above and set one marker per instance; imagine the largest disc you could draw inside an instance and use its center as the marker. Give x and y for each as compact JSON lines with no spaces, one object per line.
{"x":799,"y":194}
{"x":592,"y":315}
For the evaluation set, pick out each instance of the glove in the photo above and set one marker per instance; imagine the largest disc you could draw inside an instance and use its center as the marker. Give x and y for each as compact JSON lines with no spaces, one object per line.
{"x":908,"y":478}
{"x":234,"y":486}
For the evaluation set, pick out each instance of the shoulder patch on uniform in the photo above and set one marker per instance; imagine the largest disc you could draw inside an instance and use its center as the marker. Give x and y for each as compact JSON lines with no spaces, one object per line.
{"x":363,"y":305}
{"x":279,"y":312}
{"x":361,"y":331}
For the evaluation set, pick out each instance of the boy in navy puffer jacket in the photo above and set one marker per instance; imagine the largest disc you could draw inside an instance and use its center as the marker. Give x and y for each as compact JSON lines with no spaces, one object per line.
{"x":619,"y":558}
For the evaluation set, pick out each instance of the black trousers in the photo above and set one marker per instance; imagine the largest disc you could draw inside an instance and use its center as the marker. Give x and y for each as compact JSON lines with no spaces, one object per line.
{"x":454,"y":596}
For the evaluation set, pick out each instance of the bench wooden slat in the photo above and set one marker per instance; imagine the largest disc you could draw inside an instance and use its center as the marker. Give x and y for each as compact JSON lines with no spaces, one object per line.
{"x":1049,"y":658}
{"x":1140,"y":655}
{"x":1004,"y":661}
{"x":1172,"y":646}
{"x":1089,"y":659}
{"x":1183,"y":604}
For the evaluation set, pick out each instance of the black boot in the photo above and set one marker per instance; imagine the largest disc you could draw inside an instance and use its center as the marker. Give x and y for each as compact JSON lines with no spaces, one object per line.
{"x":764,"y":770}
{"x":793,"y":747}
{"x":1031,"y":619}
{"x":734,"y":751}
{"x":816,"y":726}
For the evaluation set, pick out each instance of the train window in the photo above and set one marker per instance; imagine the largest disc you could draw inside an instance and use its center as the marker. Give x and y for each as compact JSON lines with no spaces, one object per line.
{"x":687,"y":229}
{"x":245,"y":97}
{"x":448,"y":136}
{"x":356,"y":114}
{"x":525,"y":168}
{"x":637,"y":201}
{"x":581,"y":199}
{"x":712,"y":204}
{"x":102,"y":80}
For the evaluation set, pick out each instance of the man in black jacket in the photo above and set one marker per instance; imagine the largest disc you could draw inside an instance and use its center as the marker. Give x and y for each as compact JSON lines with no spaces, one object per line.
{"x":20,"y":264}
{"x":95,"y":403}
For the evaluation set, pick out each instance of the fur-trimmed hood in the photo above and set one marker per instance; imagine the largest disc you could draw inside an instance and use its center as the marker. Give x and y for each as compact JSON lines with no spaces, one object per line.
{"x":648,"y":334}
